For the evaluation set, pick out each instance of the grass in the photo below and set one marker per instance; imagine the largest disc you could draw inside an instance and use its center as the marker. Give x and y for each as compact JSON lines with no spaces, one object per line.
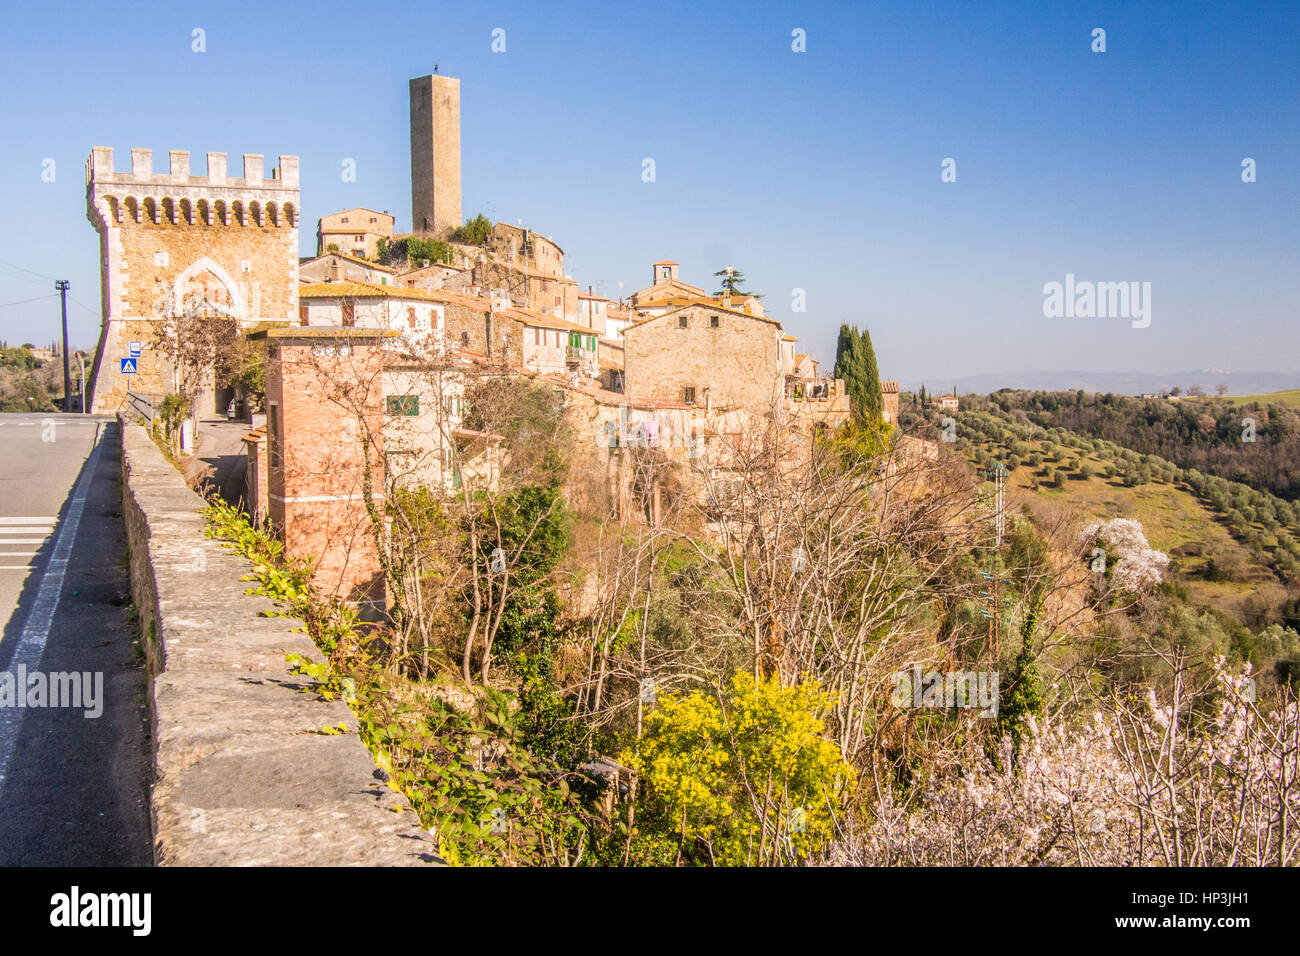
{"x":1289,"y":397}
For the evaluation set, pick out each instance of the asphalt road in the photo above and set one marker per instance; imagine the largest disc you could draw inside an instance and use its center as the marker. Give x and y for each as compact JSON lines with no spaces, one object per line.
{"x":73,"y":789}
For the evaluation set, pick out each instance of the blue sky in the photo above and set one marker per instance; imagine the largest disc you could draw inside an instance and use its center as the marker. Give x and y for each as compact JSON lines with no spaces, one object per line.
{"x":817,"y":171}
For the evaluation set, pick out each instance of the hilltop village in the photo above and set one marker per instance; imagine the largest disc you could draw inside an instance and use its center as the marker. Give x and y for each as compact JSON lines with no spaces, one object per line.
{"x":672,"y":367}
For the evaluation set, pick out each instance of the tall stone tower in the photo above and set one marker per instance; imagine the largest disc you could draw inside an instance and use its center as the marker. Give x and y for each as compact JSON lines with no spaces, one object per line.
{"x":435,"y":154}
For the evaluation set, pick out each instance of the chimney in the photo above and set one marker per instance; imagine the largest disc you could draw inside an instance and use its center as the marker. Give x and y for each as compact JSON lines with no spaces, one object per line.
{"x":335,"y":272}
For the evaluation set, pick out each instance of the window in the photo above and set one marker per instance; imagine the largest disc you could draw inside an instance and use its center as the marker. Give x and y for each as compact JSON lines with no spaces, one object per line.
{"x":537,"y":336}
{"x":688,"y":394}
{"x":464,"y":340}
{"x":344,"y":219}
{"x":402,"y":404}
{"x":302,"y":313}
{"x":713,"y":321}
{"x":667,"y":272}
{"x":273,"y":431}
{"x":410,"y":316}
{"x":373,"y":219}
{"x":681,"y":322}
{"x":349,"y":314}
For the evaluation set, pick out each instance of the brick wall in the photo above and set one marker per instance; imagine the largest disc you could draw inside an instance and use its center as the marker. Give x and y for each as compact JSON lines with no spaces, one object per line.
{"x":325,"y":406}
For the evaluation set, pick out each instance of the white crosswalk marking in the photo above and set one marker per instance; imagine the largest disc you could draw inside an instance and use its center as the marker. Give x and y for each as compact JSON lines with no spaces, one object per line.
{"x":16,"y":529}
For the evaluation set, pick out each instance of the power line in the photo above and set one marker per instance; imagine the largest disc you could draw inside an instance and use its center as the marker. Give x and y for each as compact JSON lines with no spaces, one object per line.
{"x":14,"y":265}
{"x":25,"y":301}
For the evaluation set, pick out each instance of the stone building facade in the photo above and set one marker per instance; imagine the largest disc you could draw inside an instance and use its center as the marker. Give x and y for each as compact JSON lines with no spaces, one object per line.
{"x":705,"y":355}
{"x":353,"y":231}
{"x":338,"y":266}
{"x":174,"y":243}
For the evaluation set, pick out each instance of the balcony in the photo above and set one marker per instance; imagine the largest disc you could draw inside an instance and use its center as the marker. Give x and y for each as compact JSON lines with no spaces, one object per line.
{"x":814,"y":389}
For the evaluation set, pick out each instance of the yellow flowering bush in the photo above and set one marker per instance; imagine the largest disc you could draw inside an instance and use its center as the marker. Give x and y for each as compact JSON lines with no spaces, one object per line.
{"x":744,"y":780}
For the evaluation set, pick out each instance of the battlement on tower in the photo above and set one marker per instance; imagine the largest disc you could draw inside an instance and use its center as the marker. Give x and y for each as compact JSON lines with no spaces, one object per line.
{"x":99,"y":169}
{"x":178,"y":197}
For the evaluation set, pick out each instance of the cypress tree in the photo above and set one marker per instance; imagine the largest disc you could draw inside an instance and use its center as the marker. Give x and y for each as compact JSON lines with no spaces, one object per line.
{"x":855,"y":363}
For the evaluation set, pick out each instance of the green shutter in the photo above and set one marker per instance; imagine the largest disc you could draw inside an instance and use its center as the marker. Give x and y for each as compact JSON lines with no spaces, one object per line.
{"x":402,"y":404}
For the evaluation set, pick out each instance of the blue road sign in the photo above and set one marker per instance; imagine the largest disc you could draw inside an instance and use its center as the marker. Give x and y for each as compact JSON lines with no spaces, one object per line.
{"x":128,"y":366}
{"x":134,"y":350}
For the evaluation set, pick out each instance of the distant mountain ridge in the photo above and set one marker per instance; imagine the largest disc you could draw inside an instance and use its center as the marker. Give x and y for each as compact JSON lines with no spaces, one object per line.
{"x":1122,"y":383}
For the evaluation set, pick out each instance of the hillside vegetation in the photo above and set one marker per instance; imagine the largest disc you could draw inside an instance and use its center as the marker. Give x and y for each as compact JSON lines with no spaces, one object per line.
{"x":1251,"y":440}
{"x":1234,"y":549}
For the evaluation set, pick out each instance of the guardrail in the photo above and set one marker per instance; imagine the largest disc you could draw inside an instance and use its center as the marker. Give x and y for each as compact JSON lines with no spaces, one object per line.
{"x":142,"y":405}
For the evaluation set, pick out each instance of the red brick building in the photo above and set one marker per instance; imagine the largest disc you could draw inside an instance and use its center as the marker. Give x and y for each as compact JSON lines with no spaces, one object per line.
{"x":324,"y":443}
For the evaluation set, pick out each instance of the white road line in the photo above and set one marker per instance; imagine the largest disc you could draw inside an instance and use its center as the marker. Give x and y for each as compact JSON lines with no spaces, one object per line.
{"x":31,"y":643}
{"x":18,"y":554}
{"x":24,"y":540}
{"x":20,"y":530}
{"x":14,"y":567}
{"x":43,"y":519}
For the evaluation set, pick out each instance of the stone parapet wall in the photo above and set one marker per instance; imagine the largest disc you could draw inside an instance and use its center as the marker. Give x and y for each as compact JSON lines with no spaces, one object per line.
{"x":242,"y":775}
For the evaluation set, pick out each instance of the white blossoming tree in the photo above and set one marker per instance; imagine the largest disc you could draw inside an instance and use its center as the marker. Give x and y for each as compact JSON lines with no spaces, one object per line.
{"x":1126,"y":558}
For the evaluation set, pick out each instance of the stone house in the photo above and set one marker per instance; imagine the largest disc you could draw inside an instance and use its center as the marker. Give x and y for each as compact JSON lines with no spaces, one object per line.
{"x":353,"y":231}
{"x":664,"y":284}
{"x":592,"y":311}
{"x":616,"y":320}
{"x":437,"y":275}
{"x":412,"y":314}
{"x":526,"y":250}
{"x":552,"y":345}
{"x":706,"y":355}
{"x":340,"y":267}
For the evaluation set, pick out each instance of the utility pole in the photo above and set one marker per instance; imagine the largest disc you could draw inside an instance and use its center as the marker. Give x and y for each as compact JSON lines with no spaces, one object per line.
{"x":62,"y":286}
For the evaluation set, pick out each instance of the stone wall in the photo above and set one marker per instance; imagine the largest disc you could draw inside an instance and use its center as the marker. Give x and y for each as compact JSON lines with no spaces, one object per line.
{"x":242,"y":777}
